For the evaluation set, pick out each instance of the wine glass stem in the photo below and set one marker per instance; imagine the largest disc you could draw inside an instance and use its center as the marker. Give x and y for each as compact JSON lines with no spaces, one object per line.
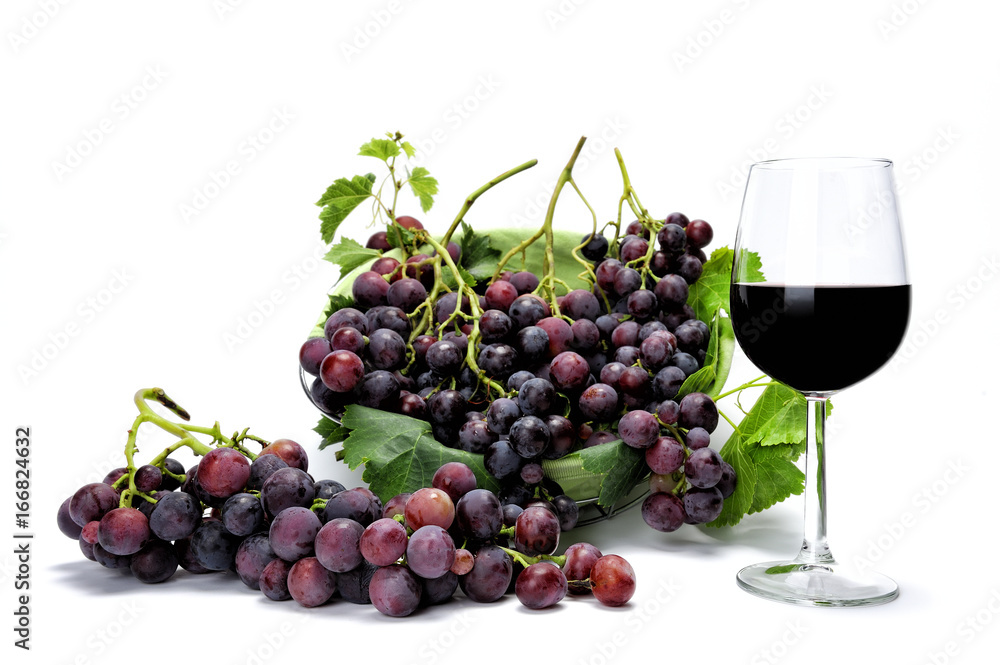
{"x":815,"y":549}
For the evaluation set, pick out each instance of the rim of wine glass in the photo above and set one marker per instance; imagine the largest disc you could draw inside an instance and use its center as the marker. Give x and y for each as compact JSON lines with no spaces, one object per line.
{"x":823,"y":162}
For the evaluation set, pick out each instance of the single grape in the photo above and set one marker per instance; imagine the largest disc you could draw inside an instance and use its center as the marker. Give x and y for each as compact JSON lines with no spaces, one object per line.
{"x":663,"y":512}
{"x":498,"y":361}
{"x":338,"y":544}
{"x":569,"y":371}
{"x":527,"y":310}
{"x":612,"y":580}
{"x":312,"y":352}
{"x":395,"y":591}
{"x":396,"y":505}
{"x":541,"y":585}
{"x":386,"y":350}
{"x":500,"y":295}
{"x":455,"y":478}
{"x":535,"y":398}
{"x":671,"y":291}
{"x":379,"y":390}
{"x":638,"y":429}
{"x":665,"y":456}
{"x":406,"y":293}
{"x":67,"y":526}
{"x":91,"y":502}
{"x":252,"y":556}
{"x":175,"y":516}
{"x":599,"y":402}
{"x":727,"y":484}
{"x":702,"y":505}
{"x":154,"y":563}
{"x":310,"y":584}
{"x":383,"y":542}
{"x":430,"y":552}
{"x":273,"y":580}
{"x":353,"y":586}
{"x":524,"y":281}
{"x":447,"y":407}
{"x":352,"y":504}
{"x":581,"y":305}
{"x":642,"y":304}
{"x":490,"y":575}
{"x":242,"y":514}
{"x":292,"y":533}
{"x":429,"y":506}
{"x":212,"y":547}
{"x":697,"y":437}
{"x":580,"y":559}
{"x":703,"y":468}
{"x":325,"y":489}
{"x":536,"y":531}
{"x":285,"y":488}
{"x":667,"y":383}
{"x":698,"y":410}
{"x":529,"y":436}
{"x":346,"y":317}
{"x":290,"y":451}
{"x":123,"y":531}
{"x":598,"y":437}
{"x":595,"y":248}
{"x":562,"y":436}
{"x":699,"y":233}
{"x":532,"y":473}
{"x":634,"y":249}
{"x":501,"y":460}
{"x":370,"y":289}
{"x":606,"y":272}
{"x":532,"y":343}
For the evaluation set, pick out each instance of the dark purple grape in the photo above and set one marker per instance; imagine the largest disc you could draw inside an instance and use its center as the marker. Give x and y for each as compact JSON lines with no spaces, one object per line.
{"x":286,"y":488}
{"x":386,"y":349}
{"x":91,"y":502}
{"x":702,"y":505}
{"x":123,"y":531}
{"x":148,"y":478}
{"x":430,"y":552}
{"x":518,"y":379}
{"x":223,"y":472}
{"x":475,"y":437}
{"x":524,"y":281}
{"x":536,"y":397}
{"x":67,"y":526}
{"x":501,"y":460}
{"x":697,"y":437}
{"x":501,"y":295}
{"x":325,"y":489}
{"x":532,"y":343}
{"x":684,"y":362}
{"x":638,"y":429}
{"x":666,"y":455}
{"x":663,"y":512}
{"x":310,"y":584}
{"x":562,"y":436}
{"x":439,"y":590}
{"x":379,"y":390}
{"x":703,"y":468}
{"x":626,"y":334}
{"x":389,"y":318}
{"x":447,"y":407}
{"x":581,"y":305}
{"x":168,"y":483}
{"x":274,"y":580}
{"x":567,"y":510}
{"x":490,"y":576}
{"x":455,"y":479}
{"x":671,"y":291}
{"x":252,"y":556}
{"x":634,"y":381}
{"x":429,"y":506}
{"x":176,"y":515}
{"x":444,"y":358}
{"x":406,"y":294}
{"x":498,"y":361}
{"x":727,"y":484}
{"x":580,"y":559}
{"x":292,"y":533}
{"x":527,"y":310}
{"x":667,"y":382}
{"x":353,"y":586}
{"x":501,"y":414}
{"x":510,"y":513}
{"x":599,"y":437}
{"x":348,"y":317}
{"x":262,"y":468}
{"x":370,"y":289}
{"x":383,"y":542}
{"x":689,"y":267}
{"x":634,"y":249}
{"x":338,"y":544}
{"x":699,"y":233}
{"x":341,"y":371}
{"x":596,"y":247}
{"x":627,"y":281}
{"x":569,"y":372}
{"x":352,"y":504}
{"x":243,"y":514}
{"x":586,"y":335}
{"x":699,"y":410}
{"x":529,"y":436}
{"x":599,"y":402}
{"x":642,"y":304}
{"x":532,"y":473}
{"x":378,"y":241}
{"x":606,"y":272}
{"x":154,"y":563}
{"x":611,"y":373}
{"x":395,"y":591}
{"x":212,"y":547}
{"x":536,"y":531}
{"x":312,"y":352}
{"x":541,"y":585}
{"x":494,"y":325}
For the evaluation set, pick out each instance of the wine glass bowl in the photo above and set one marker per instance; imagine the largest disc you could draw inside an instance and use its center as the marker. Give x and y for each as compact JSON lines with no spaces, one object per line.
{"x":820,"y":300}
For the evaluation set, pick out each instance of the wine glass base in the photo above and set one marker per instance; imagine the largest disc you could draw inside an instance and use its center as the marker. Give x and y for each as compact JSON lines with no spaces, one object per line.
{"x":818,"y":585}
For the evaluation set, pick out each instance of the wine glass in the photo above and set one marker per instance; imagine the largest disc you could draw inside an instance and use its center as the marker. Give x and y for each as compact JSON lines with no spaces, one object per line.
{"x":826,"y":305}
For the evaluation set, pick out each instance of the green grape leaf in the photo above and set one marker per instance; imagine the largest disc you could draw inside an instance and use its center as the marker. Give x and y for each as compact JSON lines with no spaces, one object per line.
{"x":622,"y":466}
{"x":424,"y":187}
{"x":398,"y":236}
{"x":718,"y":359}
{"x":340,"y":199}
{"x":408,"y":149}
{"x":711,"y":291}
{"x":479,"y":257}
{"x":384,"y":149}
{"x":330,"y":431}
{"x":348,"y":254}
{"x":399,"y":453}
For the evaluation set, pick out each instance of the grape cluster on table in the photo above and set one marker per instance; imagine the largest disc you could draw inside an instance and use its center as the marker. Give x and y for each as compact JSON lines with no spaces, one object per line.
{"x":293,"y":537}
{"x":611,"y":371}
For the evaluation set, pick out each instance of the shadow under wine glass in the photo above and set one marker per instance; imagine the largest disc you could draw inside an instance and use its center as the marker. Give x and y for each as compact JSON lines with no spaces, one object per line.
{"x":820,"y":301}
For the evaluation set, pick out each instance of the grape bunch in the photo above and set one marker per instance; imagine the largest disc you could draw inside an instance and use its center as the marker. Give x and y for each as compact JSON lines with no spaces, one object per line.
{"x":292,"y":537}
{"x":507,"y":373}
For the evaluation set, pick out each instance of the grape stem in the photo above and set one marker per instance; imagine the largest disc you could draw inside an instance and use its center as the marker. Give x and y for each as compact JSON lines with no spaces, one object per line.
{"x":471,"y":198}
{"x":526,"y":560}
{"x":183,"y":431}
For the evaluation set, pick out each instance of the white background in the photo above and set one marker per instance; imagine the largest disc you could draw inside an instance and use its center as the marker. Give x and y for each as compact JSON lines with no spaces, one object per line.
{"x":501,"y":83}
